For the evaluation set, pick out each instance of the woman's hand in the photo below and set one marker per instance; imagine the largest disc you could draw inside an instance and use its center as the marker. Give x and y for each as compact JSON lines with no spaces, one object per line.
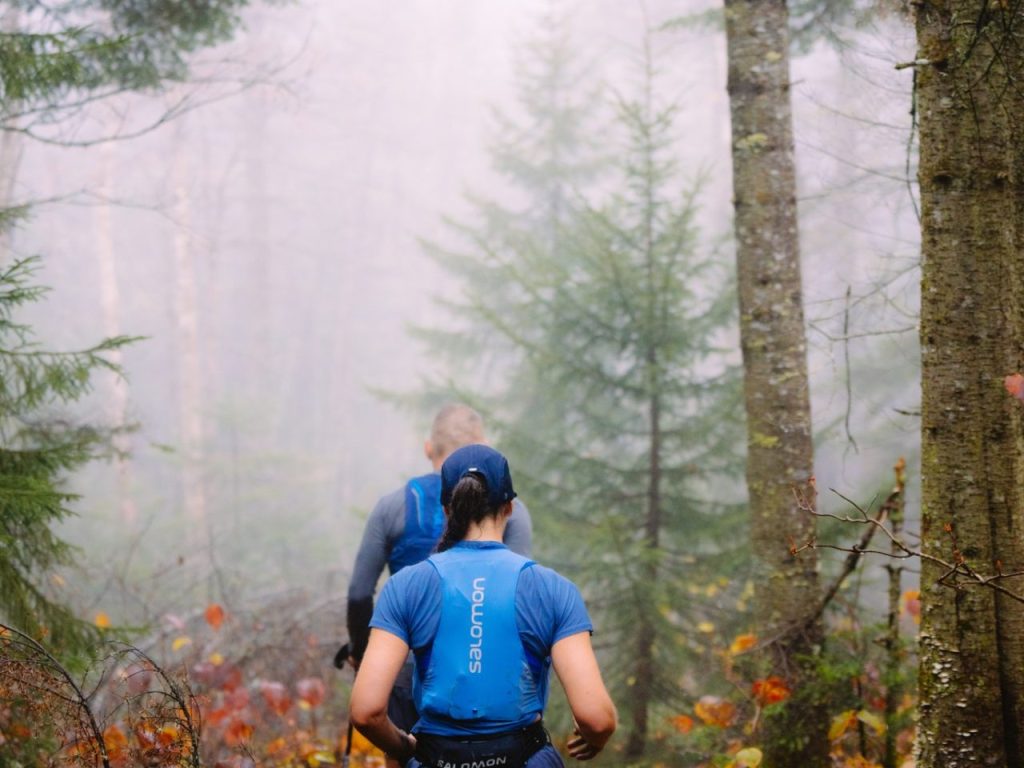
{"x":409,"y":751}
{"x":580,"y":748}
{"x":592,"y":709}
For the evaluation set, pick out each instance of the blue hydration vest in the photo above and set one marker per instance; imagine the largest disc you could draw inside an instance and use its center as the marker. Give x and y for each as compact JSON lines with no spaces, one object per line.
{"x":424,"y":522}
{"x":476,"y":675}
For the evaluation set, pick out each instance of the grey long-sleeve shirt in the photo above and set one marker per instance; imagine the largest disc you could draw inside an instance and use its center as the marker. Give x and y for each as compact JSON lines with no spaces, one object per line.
{"x":384,"y":528}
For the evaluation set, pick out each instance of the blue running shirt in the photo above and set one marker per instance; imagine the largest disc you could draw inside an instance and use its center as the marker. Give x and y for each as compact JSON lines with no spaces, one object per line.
{"x":548,"y":608}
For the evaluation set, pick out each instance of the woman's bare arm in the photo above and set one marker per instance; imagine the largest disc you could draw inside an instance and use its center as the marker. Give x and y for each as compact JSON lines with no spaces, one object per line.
{"x":368,"y":708}
{"x":592,"y":707}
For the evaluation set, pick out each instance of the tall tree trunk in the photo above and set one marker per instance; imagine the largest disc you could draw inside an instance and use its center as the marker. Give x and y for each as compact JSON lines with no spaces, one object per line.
{"x":642,"y":691}
{"x":971,"y":173}
{"x":780,"y":454}
{"x":110,"y":303}
{"x":190,"y":367}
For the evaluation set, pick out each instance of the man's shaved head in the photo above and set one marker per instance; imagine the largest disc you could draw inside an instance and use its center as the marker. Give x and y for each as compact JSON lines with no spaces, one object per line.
{"x":455,"y":425}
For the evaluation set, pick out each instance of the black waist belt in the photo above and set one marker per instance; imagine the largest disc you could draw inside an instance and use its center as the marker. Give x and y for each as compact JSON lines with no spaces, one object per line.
{"x":500,"y":750}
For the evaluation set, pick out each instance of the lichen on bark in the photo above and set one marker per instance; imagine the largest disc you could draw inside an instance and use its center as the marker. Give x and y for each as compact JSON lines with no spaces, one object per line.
{"x":971,"y":177}
{"x":779,"y":446}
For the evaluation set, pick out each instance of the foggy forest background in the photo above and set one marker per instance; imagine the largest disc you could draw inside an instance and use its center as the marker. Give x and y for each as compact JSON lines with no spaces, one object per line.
{"x":267,"y":245}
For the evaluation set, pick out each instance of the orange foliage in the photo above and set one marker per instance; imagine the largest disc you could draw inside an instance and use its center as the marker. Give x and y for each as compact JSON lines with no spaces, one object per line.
{"x":770,"y":690}
{"x":214,"y":615}
{"x":682,"y":723}
{"x":238,"y":732}
{"x":276,"y":697}
{"x":743,"y":643}
{"x":716,"y":711}
{"x":910,"y":604}
{"x":116,"y":742}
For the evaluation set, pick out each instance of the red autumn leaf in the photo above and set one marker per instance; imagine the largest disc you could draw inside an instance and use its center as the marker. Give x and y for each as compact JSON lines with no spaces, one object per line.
{"x":770,"y":690}
{"x":230,"y":677}
{"x":682,"y":723}
{"x":237,"y":732}
{"x":217,"y":716}
{"x":214,"y":615}
{"x":276,"y":696}
{"x":715,"y":711}
{"x":224,"y":675}
{"x":310,"y":691}
{"x":1014,"y":384}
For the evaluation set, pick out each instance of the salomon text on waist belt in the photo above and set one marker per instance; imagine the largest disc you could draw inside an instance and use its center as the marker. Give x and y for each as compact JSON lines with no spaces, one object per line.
{"x":500,"y":750}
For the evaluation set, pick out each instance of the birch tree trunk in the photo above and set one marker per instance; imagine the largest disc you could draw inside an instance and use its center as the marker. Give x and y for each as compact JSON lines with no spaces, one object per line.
{"x":110,"y":303}
{"x":780,"y":455}
{"x":190,"y":368}
{"x":971,"y":175}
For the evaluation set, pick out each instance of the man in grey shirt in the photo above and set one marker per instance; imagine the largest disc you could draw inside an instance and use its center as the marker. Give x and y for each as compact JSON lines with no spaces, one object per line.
{"x":404,"y":528}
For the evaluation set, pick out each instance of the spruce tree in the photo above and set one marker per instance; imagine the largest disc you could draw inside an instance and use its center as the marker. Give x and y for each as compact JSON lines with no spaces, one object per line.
{"x":546,"y":154}
{"x":39,"y":448}
{"x":615,"y":402}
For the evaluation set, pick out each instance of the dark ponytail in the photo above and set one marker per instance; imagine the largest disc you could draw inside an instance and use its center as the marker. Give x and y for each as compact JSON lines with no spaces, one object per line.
{"x":469,"y":504}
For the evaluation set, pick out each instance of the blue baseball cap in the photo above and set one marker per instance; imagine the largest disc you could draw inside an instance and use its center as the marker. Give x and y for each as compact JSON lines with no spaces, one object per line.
{"x":486,"y":463}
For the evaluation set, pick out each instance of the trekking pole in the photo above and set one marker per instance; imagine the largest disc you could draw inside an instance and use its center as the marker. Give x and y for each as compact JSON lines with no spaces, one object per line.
{"x":348,"y":746}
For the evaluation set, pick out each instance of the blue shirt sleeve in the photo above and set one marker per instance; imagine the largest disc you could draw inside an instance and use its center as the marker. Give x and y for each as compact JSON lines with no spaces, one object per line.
{"x":408,"y":605}
{"x":549,"y":608}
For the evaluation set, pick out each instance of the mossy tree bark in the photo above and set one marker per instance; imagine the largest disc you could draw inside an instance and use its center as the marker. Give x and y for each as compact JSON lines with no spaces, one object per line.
{"x":780,"y":452}
{"x":970,"y":76}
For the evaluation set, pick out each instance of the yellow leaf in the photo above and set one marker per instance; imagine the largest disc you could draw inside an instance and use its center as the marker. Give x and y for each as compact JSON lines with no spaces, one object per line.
{"x":743,"y":643}
{"x":706,"y":627}
{"x":216,"y":659}
{"x":748,"y":758}
{"x":876,"y":723}
{"x":715,"y":711}
{"x":320,"y":757}
{"x":180,"y":642}
{"x":841,"y":723}
{"x":102,"y":620}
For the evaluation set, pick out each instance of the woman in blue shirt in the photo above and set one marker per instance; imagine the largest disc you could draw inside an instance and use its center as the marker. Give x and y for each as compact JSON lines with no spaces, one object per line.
{"x":485,"y":626}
